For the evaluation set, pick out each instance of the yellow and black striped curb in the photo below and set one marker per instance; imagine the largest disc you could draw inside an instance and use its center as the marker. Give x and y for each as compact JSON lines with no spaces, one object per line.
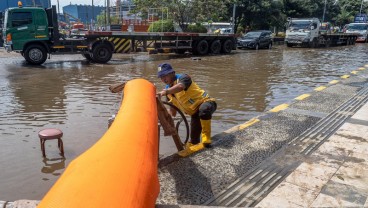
{"x":159,"y":50}
{"x":285,"y":105}
{"x":122,"y":45}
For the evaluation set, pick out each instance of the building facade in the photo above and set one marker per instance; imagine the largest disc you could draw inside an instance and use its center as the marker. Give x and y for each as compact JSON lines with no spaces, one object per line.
{"x":83,"y":13}
{"x":4,"y":4}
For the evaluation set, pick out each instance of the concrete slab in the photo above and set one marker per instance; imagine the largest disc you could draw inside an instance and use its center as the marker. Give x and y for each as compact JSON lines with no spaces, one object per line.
{"x":324,"y":200}
{"x":350,"y":143}
{"x":311,"y":176}
{"x":361,"y":114}
{"x":26,"y":204}
{"x":333,"y":159}
{"x":344,"y":192}
{"x":353,"y":174}
{"x":289,"y":195}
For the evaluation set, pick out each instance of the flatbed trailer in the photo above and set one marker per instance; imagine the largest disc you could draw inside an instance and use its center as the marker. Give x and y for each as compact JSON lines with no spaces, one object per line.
{"x":179,"y":42}
{"x":37,"y":36}
{"x":307,"y":32}
{"x":335,"y":39}
{"x":325,"y":40}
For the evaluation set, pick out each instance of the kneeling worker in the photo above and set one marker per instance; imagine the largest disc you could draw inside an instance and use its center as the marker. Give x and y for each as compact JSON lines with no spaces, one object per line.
{"x":185,"y":94}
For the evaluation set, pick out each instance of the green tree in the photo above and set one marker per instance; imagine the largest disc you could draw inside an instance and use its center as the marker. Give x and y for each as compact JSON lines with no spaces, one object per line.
{"x":185,"y":12}
{"x":259,"y":14}
{"x":101,"y":19}
{"x":162,"y":26}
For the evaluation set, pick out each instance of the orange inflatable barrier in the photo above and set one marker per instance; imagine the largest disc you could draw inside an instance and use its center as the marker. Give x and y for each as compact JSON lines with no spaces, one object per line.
{"x":120,"y":170}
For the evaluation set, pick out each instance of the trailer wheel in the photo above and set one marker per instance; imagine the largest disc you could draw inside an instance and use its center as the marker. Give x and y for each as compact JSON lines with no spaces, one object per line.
{"x":202,"y":47}
{"x":352,"y":41}
{"x":35,"y":54}
{"x":348,"y":41}
{"x":101,"y":53}
{"x":227,"y":46}
{"x":215,"y":47}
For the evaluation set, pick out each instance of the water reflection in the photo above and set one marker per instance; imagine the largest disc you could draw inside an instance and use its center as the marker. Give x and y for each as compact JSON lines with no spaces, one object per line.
{"x":51,"y":166}
{"x":39,"y":94}
{"x":71,"y":94}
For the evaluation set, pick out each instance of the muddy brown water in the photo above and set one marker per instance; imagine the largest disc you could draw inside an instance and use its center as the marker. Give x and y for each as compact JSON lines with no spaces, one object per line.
{"x":69,"y":93}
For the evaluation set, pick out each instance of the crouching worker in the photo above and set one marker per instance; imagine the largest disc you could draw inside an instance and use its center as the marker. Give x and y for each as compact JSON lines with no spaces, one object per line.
{"x":186,"y":95}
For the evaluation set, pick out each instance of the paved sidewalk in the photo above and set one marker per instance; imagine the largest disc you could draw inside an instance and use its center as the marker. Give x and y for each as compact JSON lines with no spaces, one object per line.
{"x":335,"y":175}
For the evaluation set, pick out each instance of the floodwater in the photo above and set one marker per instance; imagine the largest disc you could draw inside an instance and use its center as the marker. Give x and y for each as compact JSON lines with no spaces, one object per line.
{"x":69,"y":93}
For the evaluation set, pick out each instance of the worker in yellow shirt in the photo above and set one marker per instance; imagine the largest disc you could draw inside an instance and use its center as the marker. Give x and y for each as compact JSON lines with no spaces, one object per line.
{"x":186,"y":95}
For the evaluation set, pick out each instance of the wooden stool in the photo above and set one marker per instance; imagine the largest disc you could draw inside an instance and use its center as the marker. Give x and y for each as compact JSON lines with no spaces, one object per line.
{"x":48,"y":134}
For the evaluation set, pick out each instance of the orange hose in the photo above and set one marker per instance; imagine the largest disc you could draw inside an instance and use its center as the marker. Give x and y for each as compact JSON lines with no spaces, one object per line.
{"x":120,"y":170}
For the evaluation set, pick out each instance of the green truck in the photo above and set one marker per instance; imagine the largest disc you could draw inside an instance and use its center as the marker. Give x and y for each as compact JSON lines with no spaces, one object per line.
{"x":33,"y":32}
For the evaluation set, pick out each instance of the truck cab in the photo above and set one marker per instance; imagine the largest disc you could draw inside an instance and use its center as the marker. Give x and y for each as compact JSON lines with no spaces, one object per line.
{"x":359,"y":28}
{"x":302,"y":32}
{"x":34,"y":33}
{"x":23,"y":26}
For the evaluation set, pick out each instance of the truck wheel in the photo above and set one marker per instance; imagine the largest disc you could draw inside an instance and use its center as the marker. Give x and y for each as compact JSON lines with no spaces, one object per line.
{"x":313,"y":44}
{"x":35,"y":54}
{"x":215,"y":47}
{"x":202,"y":47}
{"x":101,"y":53}
{"x":87,"y":56}
{"x":227,"y":46}
{"x":328,"y":43}
{"x":289,"y":45}
{"x":270,"y":46}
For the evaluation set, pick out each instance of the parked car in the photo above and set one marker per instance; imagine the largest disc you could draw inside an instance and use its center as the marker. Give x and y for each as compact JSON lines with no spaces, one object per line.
{"x":223,"y":31}
{"x":256,"y":40}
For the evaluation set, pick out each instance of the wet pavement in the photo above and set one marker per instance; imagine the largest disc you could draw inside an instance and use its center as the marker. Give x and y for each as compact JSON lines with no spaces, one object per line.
{"x":69,"y":93}
{"x":308,"y":152}
{"x":335,"y":175}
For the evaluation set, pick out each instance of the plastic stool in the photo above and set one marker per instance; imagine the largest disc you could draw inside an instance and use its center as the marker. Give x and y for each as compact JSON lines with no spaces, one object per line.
{"x":48,"y":134}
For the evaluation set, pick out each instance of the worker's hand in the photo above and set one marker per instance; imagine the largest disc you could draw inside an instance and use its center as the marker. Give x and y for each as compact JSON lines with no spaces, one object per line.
{"x":162,"y":93}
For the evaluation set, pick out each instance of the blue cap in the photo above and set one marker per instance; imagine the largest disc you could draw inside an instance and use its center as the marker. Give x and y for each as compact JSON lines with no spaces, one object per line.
{"x":164,"y":69}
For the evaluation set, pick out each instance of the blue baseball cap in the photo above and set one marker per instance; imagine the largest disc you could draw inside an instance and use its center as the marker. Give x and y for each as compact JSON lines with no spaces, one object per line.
{"x":164,"y":69}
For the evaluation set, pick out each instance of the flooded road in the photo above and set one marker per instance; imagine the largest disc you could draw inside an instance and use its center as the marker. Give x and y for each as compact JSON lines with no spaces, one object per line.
{"x":69,"y":93}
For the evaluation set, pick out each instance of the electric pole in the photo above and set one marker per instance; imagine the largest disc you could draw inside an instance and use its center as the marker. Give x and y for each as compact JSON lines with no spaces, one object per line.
{"x":108,"y":15}
{"x":58,"y":7}
{"x":361,"y":6}
{"x":92,"y":15}
{"x":324,"y":11}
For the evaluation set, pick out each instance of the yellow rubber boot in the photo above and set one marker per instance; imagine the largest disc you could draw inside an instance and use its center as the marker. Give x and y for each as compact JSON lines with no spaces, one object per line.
{"x":206,"y":132}
{"x":190,"y":149}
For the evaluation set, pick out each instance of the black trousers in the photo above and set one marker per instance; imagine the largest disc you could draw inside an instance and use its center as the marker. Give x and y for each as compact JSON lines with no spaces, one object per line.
{"x":204,"y":112}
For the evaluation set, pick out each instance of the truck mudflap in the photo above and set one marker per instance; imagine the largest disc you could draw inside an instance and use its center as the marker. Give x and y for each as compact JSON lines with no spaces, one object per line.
{"x":8,"y":48}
